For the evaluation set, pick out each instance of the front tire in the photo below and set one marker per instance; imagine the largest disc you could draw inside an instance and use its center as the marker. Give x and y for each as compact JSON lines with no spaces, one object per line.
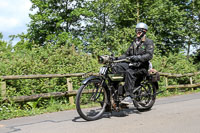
{"x":91,"y":100}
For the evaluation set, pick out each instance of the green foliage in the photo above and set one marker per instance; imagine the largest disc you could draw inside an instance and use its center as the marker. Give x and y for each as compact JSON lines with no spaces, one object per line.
{"x":174,"y":63}
{"x":53,"y":19}
{"x":4,"y":46}
{"x":173,"y":25}
{"x":44,"y":60}
{"x":177,"y":64}
{"x":12,"y":110}
{"x":67,"y":36}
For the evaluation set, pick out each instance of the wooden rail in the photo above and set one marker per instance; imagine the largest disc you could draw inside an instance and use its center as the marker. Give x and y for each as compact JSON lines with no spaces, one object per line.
{"x":13,"y":77}
{"x":170,"y":75}
{"x":70,"y":93}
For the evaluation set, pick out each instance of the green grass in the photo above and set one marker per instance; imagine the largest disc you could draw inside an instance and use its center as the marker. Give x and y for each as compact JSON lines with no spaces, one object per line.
{"x":14,"y":110}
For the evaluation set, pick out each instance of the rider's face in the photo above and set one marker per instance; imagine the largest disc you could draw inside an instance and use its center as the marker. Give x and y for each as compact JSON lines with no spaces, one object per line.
{"x":139,"y":34}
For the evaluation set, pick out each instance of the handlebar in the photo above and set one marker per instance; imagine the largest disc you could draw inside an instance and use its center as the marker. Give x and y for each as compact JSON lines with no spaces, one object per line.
{"x":121,"y":60}
{"x":109,"y":59}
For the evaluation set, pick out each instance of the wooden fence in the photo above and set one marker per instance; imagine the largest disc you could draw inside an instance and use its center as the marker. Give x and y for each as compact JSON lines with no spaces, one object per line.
{"x":70,"y":93}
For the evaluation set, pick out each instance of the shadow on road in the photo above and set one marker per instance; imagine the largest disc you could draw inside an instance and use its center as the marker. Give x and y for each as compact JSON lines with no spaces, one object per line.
{"x":122,"y":113}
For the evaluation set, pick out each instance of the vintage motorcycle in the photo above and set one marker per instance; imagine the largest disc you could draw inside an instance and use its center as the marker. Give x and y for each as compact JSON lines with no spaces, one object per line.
{"x":105,"y":91}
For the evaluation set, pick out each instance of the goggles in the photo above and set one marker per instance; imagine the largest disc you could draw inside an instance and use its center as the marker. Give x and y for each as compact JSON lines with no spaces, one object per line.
{"x":139,"y":30}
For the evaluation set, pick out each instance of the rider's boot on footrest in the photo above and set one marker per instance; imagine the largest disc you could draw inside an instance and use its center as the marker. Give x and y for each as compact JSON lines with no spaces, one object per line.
{"x":127,"y":100}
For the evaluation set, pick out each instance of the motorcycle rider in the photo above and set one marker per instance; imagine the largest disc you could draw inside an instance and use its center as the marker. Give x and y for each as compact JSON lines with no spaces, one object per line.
{"x":139,"y":53}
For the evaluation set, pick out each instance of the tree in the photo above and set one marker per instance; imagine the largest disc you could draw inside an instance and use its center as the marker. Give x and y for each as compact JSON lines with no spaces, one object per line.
{"x":110,"y":27}
{"x":105,"y":25}
{"x":54,"y":21}
{"x":193,"y":25}
{"x":168,"y":23}
{"x":4,"y":46}
{"x":173,"y":24}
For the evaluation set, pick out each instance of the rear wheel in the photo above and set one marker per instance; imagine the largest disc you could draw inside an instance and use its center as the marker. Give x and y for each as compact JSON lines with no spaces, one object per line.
{"x":145,"y":96}
{"x":91,"y":100}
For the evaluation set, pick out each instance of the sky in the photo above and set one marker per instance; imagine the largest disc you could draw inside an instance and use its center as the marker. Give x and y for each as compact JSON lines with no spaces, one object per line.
{"x":14,"y":16}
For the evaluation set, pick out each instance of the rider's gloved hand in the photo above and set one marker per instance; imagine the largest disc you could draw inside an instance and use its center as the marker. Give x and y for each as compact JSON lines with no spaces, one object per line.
{"x":113,"y":58}
{"x":128,"y":58}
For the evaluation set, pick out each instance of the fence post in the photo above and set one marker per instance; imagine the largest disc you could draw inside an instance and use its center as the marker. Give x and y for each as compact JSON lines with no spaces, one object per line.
{"x":70,"y":88}
{"x":191,"y":83}
{"x":166,"y":84}
{"x":3,"y":90}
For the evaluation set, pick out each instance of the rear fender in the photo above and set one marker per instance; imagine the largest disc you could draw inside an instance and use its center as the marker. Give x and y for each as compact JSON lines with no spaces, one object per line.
{"x":156,"y":85}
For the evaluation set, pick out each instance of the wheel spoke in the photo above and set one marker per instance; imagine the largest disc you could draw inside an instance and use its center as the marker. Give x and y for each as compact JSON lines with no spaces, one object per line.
{"x":145,"y":96}
{"x":91,"y":106}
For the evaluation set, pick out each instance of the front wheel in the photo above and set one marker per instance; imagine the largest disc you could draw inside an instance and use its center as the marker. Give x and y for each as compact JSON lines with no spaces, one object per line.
{"x":91,"y":100}
{"x":146,"y":96}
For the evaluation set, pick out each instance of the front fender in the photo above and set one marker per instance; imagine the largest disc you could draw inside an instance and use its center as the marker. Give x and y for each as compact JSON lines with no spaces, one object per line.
{"x":90,"y":78}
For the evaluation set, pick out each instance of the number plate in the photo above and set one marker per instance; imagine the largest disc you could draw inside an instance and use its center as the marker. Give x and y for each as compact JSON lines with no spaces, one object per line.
{"x":103,"y":70}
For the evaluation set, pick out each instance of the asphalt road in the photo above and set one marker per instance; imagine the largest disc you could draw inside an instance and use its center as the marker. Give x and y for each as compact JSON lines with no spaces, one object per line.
{"x":179,"y":114}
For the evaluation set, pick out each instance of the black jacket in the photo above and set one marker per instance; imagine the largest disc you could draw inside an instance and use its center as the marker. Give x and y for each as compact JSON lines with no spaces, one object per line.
{"x":142,"y":53}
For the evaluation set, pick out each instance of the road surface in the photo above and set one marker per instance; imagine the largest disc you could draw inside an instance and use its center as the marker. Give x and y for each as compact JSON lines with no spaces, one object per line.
{"x":178,"y":114}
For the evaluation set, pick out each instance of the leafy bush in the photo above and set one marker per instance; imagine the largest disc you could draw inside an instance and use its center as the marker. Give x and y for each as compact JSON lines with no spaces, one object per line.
{"x":176,"y":64}
{"x":44,"y":60}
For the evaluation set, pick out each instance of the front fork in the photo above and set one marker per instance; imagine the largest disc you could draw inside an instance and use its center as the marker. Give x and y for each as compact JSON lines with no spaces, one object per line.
{"x":98,"y":91}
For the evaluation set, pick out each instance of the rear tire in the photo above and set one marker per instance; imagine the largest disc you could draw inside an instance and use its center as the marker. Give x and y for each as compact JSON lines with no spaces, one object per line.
{"x":146,"y":96}
{"x":91,"y":100}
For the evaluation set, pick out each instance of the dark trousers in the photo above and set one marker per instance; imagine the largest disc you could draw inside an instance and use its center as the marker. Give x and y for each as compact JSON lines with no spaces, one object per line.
{"x":131,"y":75}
